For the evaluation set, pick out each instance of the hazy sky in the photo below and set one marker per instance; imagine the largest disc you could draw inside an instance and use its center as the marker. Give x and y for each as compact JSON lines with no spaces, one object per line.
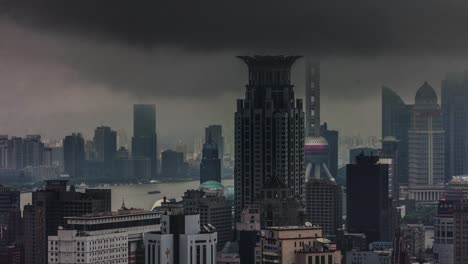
{"x":67,"y":67}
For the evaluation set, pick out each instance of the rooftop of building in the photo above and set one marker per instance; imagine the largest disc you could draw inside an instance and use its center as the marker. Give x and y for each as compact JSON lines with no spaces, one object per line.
{"x":315,"y":141}
{"x":292,"y":228}
{"x":426,"y":95}
{"x":120,"y":212}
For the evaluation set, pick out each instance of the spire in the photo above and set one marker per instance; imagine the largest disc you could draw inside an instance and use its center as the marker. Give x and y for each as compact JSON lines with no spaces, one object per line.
{"x":123,"y":204}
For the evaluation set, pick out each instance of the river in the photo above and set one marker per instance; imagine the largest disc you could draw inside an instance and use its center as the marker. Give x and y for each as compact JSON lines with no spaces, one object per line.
{"x":137,"y":195}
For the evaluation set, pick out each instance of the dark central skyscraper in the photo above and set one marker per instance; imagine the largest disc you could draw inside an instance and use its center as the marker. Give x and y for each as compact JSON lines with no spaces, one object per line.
{"x":105,"y":141}
{"x":269,"y":131}
{"x":210,"y":166}
{"x":144,"y":141}
{"x":73,"y":155}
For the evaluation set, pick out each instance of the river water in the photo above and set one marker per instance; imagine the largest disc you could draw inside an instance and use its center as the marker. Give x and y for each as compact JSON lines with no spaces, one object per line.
{"x":137,"y":195}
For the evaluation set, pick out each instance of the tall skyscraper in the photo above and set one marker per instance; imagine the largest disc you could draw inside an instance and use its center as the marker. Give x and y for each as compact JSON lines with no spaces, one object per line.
{"x":144,"y":141}
{"x":269,"y":130}
{"x":48,"y":210}
{"x":367,"y":195}
{"x":214,"y":133}
{"x":210,"y":166}
{"x":105,"y":143}
{"x":426,"y":145}
{"x":455,"y":118}
{"x":396,"y":122}
{"x":33,"y":150}
{"x":73,"y":155}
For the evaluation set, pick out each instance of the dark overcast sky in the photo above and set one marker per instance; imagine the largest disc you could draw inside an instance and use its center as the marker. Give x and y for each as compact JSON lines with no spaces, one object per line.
{"x":72,"y":65}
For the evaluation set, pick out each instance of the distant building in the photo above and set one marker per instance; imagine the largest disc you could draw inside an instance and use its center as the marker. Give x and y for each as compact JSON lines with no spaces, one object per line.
{"x":214,"y":134}
{"x":113,"y":237}
{"x":298,"y":244}
{"x":455,"y":118}
{"x":460,"y":231}
{"x":144,"y":141}
{"x":269,"y":131}
{"x":396,"y":123}
{"x":332,"y":138}
{"x":33,"y":151}
{"x":10,"y":216}
{"x":426,"y":147}
{"x":444,"y":235}
{"x":210,"y":166}
{"x":73,"y":155}
{"x":181,"y":241}
{"x":213,"y":209}
{"x":368,"y":206}
{"x":173,"y":164}
{"x":105,"y":142}
{"x":323,"y":203}
{"x":48,"y":211}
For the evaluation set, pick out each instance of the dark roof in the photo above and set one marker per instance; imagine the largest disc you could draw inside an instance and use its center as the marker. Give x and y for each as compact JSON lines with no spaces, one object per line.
{"x":426,"y":95}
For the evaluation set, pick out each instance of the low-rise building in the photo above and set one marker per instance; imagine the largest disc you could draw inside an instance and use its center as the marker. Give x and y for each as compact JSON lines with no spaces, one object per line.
{"x":298,"y":244}
{"x":109,"y":237}
{"x":180,"y":241}
{"x":443,"y":248}
{"x":368,"y":257}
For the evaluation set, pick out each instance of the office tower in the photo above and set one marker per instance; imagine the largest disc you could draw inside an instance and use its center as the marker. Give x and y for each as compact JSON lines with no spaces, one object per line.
{"x":298,"y":244}
{"x":144,"y":141}
{"x":269,"y":131}
{"x":10,"y":216}
{"x":443,"y":247}
{"x":279,"y":206}
{"x":460,"y":231}
{"x":180,"y":241}
{"x":368,"y":204}
{"x":173,"y":165}
{"x":249,"y":235}
{"x":332,"y":138}
{"x":73,"y":155}
{"x":426,"y":146}
{"x":214,"y":133}
{"x":33,"y":150}
{"x":213,"y":209}
{"x":390,"y":153}
{"x":105,"y":143}
{"x":396,"y":122}
{"x":323,"y":200}
{"x":58,"y":157}
{"x":455,"y":118}
{"x":210,"y":166}
{"x":48,"y":210}
{"x":112,"y":237}
{"x":47,"y":159}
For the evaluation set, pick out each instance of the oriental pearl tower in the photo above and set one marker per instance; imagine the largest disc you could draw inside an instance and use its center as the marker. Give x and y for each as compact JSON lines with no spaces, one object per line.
{"x":316,"y":150}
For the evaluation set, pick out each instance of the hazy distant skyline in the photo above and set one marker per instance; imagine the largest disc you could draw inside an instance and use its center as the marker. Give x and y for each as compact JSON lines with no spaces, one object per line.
{"x":74,"y":72}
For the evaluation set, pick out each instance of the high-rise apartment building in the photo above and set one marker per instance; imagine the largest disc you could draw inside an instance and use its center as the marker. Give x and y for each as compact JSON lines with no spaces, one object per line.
{"x":144,"y":141}
{"x":323,"y":202}
{"x":455,"y":118}
{"x":269,"y":131}
{"x":213,"y":209}
{"x":426,"y":145}
{"x":105,"y":143}
{"x":48,"y":210}
{"x":396,"y":122}
{"x":210,"y":165}
{"x":367,"y":194}
{"x":73,"y":155}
